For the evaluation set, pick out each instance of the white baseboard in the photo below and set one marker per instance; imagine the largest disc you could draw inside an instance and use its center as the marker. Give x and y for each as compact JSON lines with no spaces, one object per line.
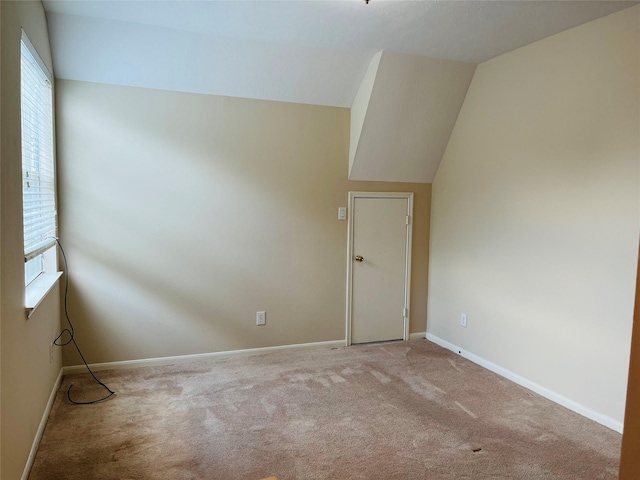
{"x":534,"y":387}
{"x":159,"y":361}
{"x":41,"y":427}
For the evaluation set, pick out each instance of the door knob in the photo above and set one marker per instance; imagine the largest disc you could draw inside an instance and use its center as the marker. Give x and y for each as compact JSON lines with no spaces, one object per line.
{"x":359,"y":258}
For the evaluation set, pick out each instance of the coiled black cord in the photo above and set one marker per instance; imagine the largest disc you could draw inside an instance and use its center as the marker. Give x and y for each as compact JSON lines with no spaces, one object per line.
{"x":72,"y":337}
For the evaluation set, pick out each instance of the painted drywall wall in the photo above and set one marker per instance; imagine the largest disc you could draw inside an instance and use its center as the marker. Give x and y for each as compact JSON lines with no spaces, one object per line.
{"x":411,"y":111}
{"x":535,"y":213}
{"x":27,"y":375}
{"x":630,"y":456}
{"x":183,"y":215}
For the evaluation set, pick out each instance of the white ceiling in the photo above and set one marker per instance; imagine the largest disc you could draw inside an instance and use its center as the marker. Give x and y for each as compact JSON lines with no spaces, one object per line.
{"x":297,"y":51}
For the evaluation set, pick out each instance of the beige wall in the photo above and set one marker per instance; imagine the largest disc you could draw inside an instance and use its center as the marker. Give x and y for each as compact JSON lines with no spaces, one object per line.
{"x":410,"y":113}
{"x":27,"y":374}
{"x":183,"y":214}
{"x":535,"y":213}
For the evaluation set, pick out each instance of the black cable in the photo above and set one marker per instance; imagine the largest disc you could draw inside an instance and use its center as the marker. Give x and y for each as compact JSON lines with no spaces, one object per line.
{"x":72,"y":334}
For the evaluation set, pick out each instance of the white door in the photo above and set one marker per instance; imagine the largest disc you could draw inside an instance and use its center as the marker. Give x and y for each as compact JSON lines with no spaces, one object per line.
{"x":380,"y":244}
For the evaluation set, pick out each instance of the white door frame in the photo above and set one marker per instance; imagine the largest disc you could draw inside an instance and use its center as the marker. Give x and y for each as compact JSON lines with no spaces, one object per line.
{"x":407,"y":269}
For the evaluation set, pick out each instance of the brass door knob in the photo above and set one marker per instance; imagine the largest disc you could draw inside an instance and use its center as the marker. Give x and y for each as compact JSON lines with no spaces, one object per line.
{"x":359,"y":258}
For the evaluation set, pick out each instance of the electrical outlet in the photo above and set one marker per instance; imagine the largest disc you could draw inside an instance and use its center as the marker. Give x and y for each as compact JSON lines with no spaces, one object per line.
{"x":463,"y":320}
{"x":261,"y":318}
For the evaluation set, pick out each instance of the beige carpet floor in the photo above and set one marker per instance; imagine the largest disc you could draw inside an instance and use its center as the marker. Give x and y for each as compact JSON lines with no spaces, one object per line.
{"x":401,"y":410}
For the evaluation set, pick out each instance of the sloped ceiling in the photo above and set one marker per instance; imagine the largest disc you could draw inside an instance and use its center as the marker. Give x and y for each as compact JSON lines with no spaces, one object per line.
{"x":295,"y":51}
{"x":401,"y":132}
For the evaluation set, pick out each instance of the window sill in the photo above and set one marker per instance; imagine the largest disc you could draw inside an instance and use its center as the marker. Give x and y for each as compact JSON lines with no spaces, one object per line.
{"x":38,"y":289}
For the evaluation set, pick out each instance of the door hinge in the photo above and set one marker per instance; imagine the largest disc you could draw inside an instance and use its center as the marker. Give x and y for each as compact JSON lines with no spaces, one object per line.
{"x":408,"y":220}
{"x":405,"y":312}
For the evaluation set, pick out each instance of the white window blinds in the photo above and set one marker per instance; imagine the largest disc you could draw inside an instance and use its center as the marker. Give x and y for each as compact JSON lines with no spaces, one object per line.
{"x":38,"y":177}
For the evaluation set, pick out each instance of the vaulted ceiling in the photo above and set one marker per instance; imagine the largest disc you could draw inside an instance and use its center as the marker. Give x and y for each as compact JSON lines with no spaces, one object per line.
{"x":313,"y":52}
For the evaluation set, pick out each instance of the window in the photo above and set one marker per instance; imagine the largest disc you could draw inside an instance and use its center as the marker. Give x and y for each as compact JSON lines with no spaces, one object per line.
{"x":38,"y":171}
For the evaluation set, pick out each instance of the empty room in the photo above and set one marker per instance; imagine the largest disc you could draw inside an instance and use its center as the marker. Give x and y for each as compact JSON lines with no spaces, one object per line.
{"x":324,"y":239}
